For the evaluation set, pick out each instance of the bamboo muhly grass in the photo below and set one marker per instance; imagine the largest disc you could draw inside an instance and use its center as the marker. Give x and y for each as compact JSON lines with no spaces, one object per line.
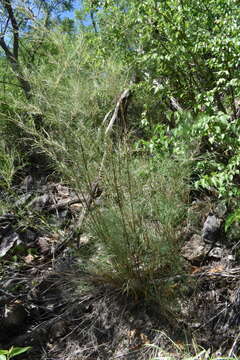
{"x":139,"y":226}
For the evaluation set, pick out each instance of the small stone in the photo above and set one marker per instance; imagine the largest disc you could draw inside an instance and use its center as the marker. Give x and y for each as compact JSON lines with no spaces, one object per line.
{"x":211,"y":228}
{"x":231,"y":258}
{"x":14,"y":315}
{"x":28,"y":235}
{"x":44,"y":244}
{"x":216,"y":252}
{"x":195,"y":249}
{"x":8,"y":242}
{"x":221,"y":209}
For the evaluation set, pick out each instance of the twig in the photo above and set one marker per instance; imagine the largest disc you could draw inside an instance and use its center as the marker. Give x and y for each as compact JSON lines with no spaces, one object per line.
{"x":175,"y":104}
{"x":65,"y":204}
{"x":106,"y":117}
{"x":211,"y":319}
{"x":230,"y":354}
{"x":123,"y":97}
{"x":6,"y":293}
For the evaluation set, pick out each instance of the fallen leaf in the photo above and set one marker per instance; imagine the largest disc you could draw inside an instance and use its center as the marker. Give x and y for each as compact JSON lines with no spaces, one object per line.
{"x":29,"y":259}
{"x":216,"y":269}
{"x":144,"y":339}
{"x":195,"y":269}
{"x":131,"y":333}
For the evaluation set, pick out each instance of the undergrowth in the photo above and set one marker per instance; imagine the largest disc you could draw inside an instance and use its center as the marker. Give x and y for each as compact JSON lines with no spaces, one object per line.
{"x":144,"y":199}
{"x":139,"y":226}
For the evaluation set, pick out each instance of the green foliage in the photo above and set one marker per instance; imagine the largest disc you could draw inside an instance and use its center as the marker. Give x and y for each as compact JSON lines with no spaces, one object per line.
{"x":218,"y":168}
{"x":140,"y":225}
{"x":157,"y":144}
{"x":10,"y":163}
{"x":72,"y":92}
{"x":184,"y":56}
{"x":12,"y":352}
{"x":232,"y":218}
{"x":211,"y":141}
{"x":183,"y":59}
{"x":181,"y":44}
{"x":184,"y":355}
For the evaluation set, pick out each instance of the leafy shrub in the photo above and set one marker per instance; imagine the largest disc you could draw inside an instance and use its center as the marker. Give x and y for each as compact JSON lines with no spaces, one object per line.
{"x":185,"y":53}
{"x":213,"y":144}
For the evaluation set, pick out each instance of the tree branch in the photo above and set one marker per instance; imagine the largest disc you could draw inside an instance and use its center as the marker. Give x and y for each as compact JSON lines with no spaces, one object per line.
{"x":119,"y":109}
{"x":93,"y":21}
{"x":6,"y":26}
{"x":6,"y":49}
{"x":25,"y":85}
{"x":8,"y":6}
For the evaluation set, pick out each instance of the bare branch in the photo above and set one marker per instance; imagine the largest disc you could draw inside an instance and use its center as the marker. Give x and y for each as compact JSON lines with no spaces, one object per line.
{"x":6,"y":26}
{"x":25,"y":85}
{"x":6,"y":49}
{"x":120,"y":104}
{"x":8,"y":6}
{"x":93,"y":21}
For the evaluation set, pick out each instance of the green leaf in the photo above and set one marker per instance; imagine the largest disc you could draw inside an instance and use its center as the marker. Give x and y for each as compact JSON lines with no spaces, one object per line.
{"x":234,"y":217}
{"x":2,"y":357}
{"x":18,"y":350}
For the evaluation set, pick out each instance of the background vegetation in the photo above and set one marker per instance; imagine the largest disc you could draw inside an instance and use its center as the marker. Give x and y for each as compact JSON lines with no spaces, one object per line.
{"x":178,"y":138}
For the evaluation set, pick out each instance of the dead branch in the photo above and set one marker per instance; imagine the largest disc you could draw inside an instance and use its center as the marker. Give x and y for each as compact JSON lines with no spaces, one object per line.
{"x":120,"y":109}
{"x":65,"y":204}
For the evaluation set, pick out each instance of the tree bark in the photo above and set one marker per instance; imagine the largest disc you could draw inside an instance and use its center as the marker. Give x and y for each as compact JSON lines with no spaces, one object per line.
{"x":12,"y":54}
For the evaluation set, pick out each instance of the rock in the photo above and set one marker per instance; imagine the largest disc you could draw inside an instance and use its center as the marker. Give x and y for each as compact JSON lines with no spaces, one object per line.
{"x":216,"y":252}
{"x":211,"y":228}
{"x":8,"y":242}
{"x":221,"y":210}
{"x":15,"y":316}
{"x":6,"y":222}
{"x":44,"y":244}
{"x":28,"y":235}
{"x":195,"y":249}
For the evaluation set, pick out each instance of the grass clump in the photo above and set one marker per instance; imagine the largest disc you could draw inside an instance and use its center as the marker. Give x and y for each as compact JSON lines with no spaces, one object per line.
{"x":144,"y":199}
{"x":140,"y":226}
{"x":71,"y":93}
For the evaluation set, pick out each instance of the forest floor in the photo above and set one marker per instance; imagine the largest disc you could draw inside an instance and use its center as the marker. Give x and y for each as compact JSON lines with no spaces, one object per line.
{"x":50,"y":302}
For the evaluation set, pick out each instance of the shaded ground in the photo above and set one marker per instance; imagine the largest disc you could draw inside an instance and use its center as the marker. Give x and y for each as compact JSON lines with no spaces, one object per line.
{"x":50,"y":302}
